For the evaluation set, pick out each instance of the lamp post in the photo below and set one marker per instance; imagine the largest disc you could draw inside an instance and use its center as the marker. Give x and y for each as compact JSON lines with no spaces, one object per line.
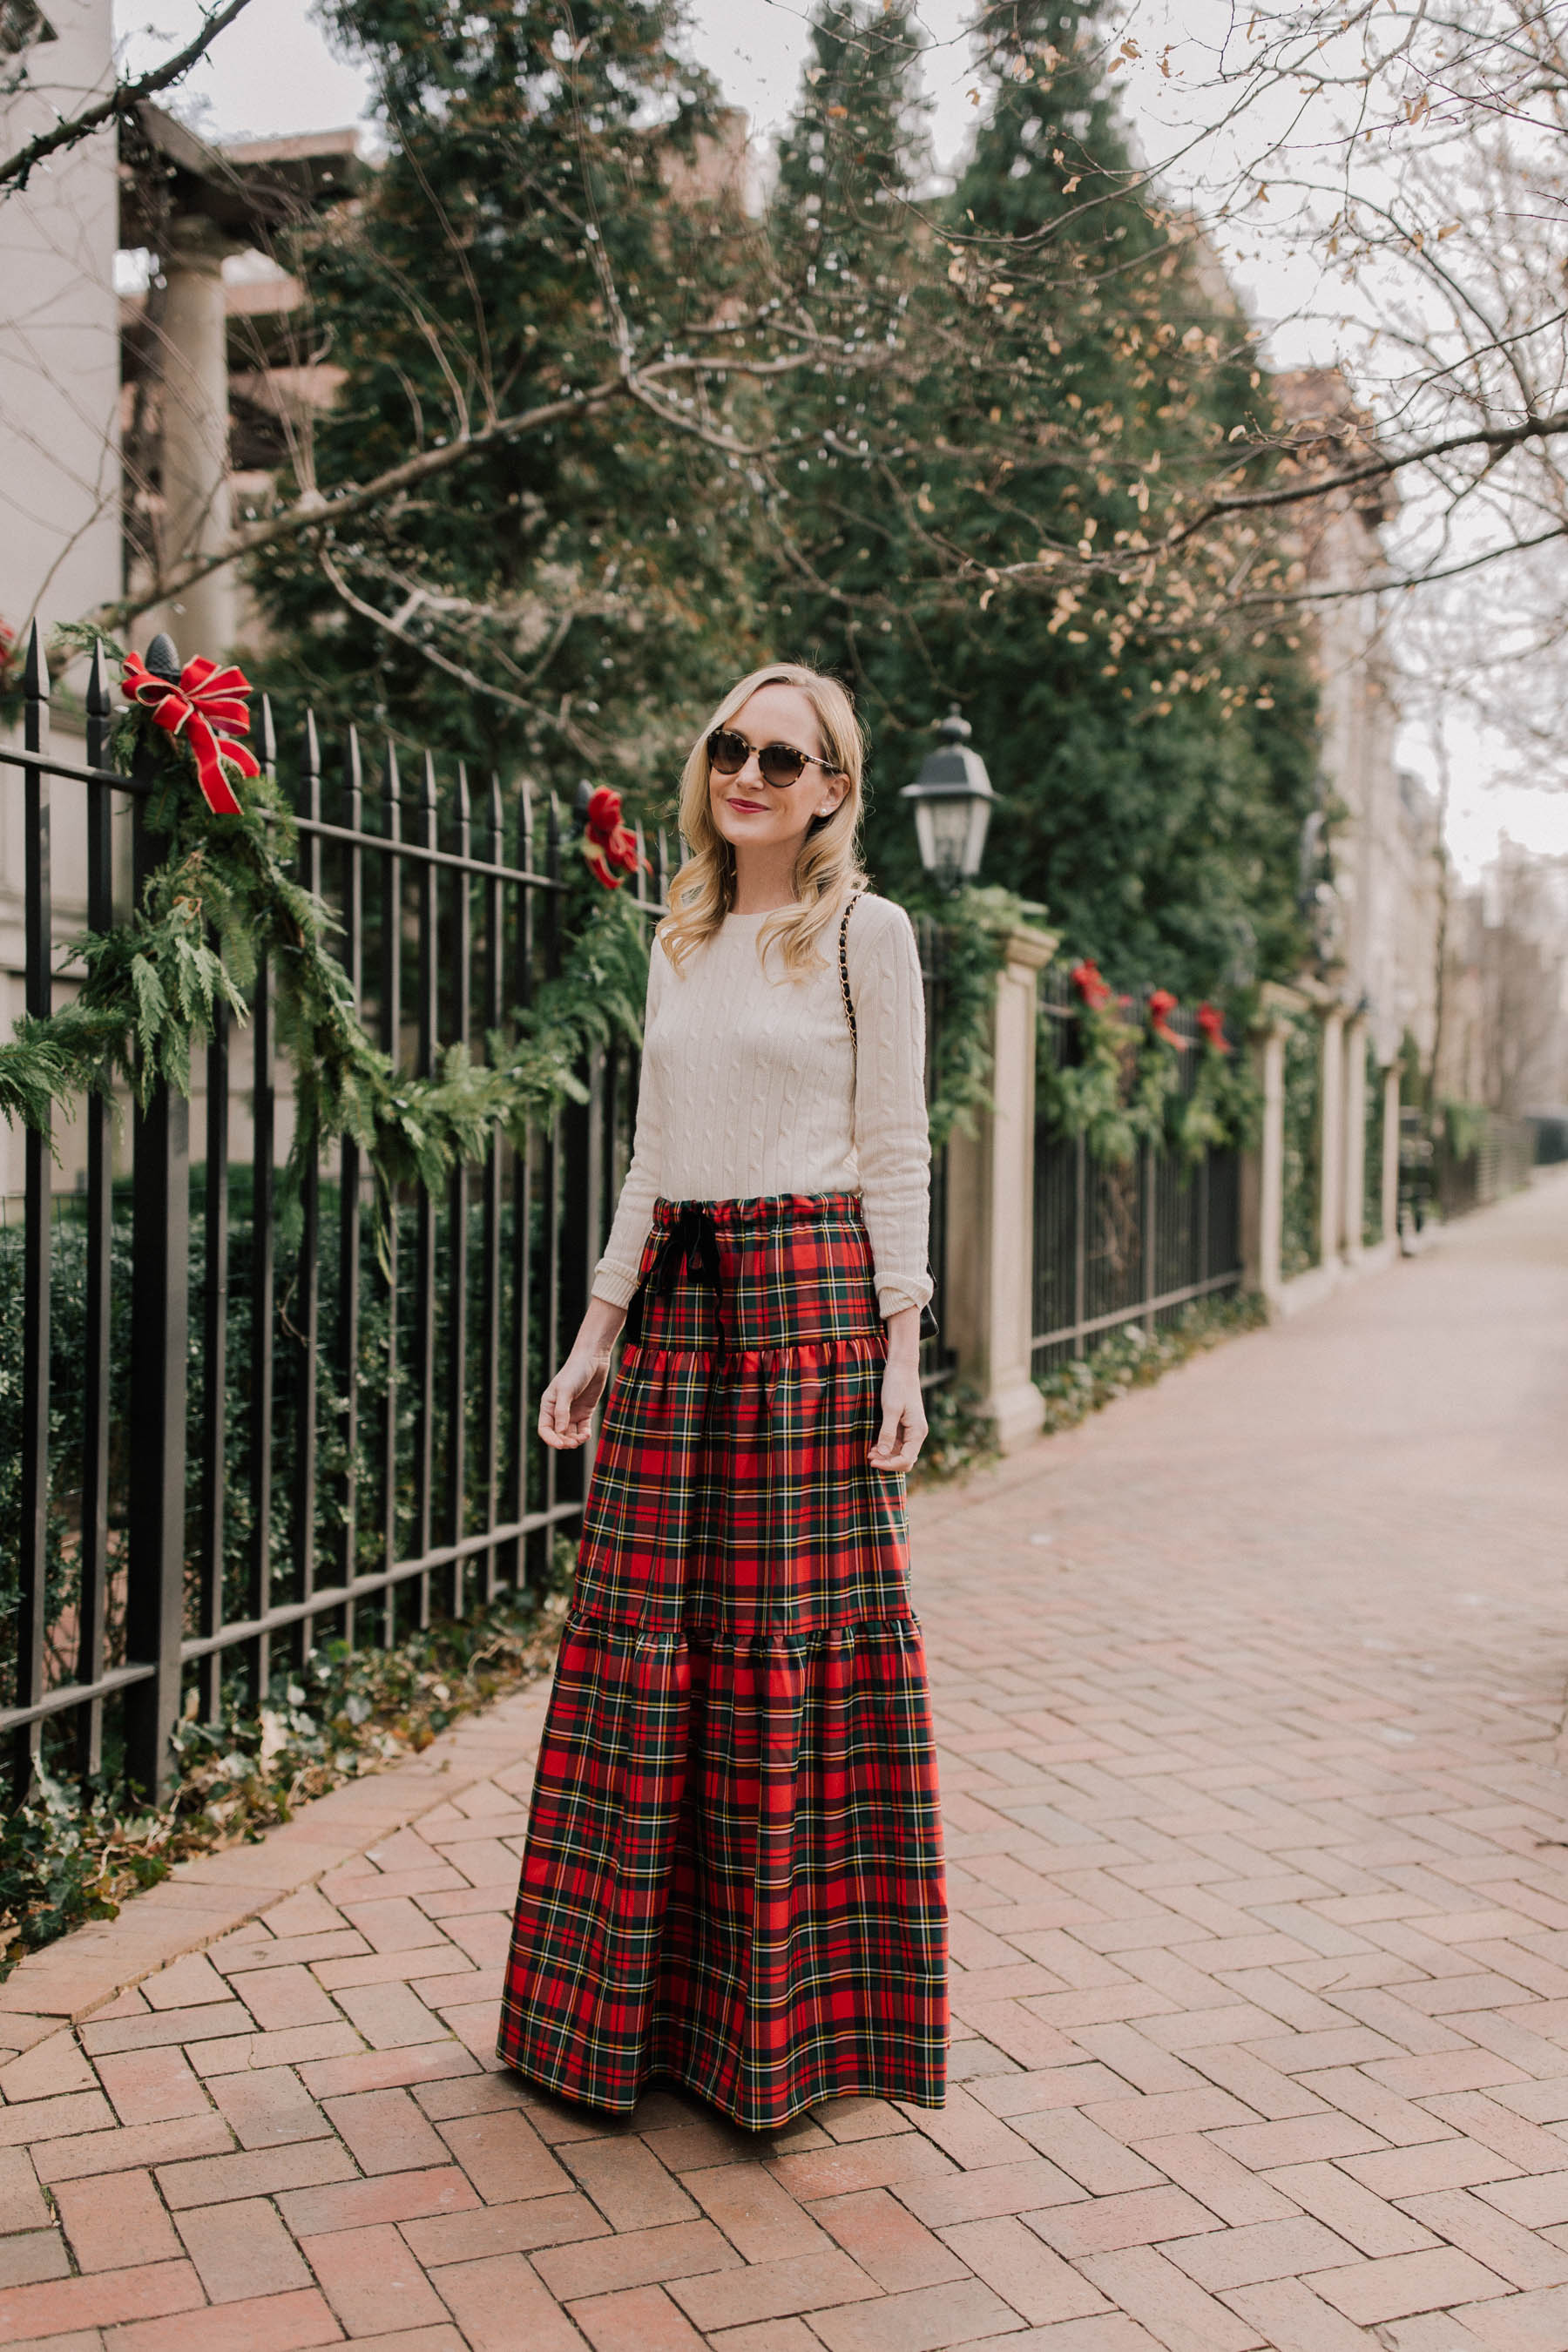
{"x":952,"y":801}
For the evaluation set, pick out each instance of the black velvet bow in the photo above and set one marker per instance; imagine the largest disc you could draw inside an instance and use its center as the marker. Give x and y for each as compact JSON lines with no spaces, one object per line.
{"x":693,"y":1244}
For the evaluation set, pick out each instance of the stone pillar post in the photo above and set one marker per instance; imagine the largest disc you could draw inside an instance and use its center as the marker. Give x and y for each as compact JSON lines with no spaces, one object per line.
{"x":1391,"y":1153}
{"x":991,"y":1210}
{"x":1331,"y":1128}
{"x":194,"y":438}
{"x":1354,"y":1187}
{"x":1263,"y":1171}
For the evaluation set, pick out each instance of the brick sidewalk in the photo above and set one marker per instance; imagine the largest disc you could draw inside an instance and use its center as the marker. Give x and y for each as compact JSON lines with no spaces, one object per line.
{"x":1252,"y":1700}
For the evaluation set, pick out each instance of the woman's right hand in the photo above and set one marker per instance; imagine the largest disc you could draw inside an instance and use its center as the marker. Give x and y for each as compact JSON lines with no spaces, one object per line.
{"x":566,"y":1408}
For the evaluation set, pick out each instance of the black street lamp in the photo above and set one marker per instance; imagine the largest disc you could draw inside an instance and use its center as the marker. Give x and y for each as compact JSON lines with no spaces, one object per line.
{"x":952,"y":800}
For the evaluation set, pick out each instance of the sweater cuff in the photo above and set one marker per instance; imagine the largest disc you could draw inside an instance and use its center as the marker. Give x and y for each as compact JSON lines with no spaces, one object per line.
{"x":895,"y":1295}
{"x":613,"y":1288}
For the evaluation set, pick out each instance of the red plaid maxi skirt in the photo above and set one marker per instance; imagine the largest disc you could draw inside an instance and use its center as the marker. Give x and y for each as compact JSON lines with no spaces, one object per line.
{"x":733,"y":1871}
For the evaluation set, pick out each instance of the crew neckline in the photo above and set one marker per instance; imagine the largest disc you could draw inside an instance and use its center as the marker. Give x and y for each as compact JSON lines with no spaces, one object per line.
{"x":733,"y":917}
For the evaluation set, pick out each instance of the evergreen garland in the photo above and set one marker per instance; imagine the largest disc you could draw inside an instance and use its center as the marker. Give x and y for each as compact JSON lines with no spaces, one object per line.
{"x":221,"y":902}
{"x":1093,"y":1095}
{"x":1120,"y":1089}
{"x":1224,"y":1110}
{"x":973,"y":924}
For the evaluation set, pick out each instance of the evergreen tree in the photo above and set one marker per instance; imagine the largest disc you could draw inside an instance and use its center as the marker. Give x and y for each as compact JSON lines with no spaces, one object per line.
{"x":569,"y":592}
{"x":1076,"y":375}
{"x":848,"y":245}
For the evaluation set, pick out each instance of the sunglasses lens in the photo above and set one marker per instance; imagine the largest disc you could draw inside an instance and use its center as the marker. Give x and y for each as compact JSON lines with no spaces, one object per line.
{"x":780,"y":764}
{"x":727,"y":752}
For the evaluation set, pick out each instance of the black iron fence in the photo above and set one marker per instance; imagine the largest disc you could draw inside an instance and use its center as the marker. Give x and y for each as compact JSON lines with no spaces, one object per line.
{"x":1496,"y":1159}
{"x":1448,"y":1166}
{"x":1374,"y":1143}
{"x":1117,"y":1245}
{"x":1549,"y":1137}
{"x":232,"y":1438}
{"x":1301,"y":1204}
{"x":223,"y":1439}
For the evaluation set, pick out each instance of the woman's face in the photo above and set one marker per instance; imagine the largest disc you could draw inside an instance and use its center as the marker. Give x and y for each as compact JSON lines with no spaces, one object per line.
{"x":745,"y":809}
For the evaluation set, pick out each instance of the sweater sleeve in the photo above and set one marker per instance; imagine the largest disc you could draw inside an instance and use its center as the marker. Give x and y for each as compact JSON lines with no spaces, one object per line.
{"x":892,"y":1138}
{"x":616,"y":1275}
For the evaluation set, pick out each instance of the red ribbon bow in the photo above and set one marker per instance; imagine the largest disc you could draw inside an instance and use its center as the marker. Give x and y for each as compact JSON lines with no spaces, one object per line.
{"x":209,"y":707}
{"x":1162,"y":1004}
{"x":1091,"y":984}
{"x":606,"y":842}
{"x":1211,"y":1020}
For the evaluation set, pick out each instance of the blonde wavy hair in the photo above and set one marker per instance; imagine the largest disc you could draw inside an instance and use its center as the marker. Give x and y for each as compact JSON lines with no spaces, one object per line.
{"x":828,"y":866}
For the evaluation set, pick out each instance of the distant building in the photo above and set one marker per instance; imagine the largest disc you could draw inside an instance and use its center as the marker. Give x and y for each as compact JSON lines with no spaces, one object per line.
{"x":60,"y":327}
{"x":1373,"y":864}
{"x":1476,"y":976}
{"x":59,"y":399}
{"x":1503,"y":1031}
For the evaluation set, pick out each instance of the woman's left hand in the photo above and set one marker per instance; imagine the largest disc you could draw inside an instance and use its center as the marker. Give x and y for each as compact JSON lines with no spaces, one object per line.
{"x":903,"y":1429}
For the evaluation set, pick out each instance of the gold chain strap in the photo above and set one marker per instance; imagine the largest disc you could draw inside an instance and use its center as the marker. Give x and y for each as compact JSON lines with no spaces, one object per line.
{"x":844,"y":980}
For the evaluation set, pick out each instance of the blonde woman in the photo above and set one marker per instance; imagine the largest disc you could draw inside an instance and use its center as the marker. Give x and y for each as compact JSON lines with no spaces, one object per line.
{"x":733,"y":1872}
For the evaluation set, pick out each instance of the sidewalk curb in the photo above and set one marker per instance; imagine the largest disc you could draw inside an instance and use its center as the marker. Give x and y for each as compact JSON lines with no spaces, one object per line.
{"x":209,"y":1897}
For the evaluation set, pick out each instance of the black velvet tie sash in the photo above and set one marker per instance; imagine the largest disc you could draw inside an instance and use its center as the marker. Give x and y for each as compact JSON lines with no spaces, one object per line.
{"x":689,"y":1245}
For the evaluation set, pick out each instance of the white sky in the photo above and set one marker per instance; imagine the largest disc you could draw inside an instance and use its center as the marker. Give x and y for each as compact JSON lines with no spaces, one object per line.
{"x":273,"y":73}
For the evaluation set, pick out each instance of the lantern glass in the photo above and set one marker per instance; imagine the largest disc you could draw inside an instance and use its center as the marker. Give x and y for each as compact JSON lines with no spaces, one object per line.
{"x":979,"y":813}
{"x":943,"y":829}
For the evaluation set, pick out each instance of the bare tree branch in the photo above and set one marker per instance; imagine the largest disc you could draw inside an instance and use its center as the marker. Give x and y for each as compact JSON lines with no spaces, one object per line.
{"x":1399,"y":583}
{"x":122,"y":100}
{"x":1496,"y":440}
{"x":391,"y":625}
{"x":315,"y":511}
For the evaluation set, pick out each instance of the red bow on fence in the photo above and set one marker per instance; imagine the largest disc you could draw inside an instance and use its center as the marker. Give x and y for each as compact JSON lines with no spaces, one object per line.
{"x":209,"y":707}
{"x":1091,"y":984}
{"x":1162,"y":1004}
{"x":1211,"y":1020}
{"x":606,"y":842}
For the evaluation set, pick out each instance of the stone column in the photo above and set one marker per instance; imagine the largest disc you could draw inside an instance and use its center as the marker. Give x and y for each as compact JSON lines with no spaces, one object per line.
{"x":1331,"y":1128}
{"x":1263,"y":1171}
{"x":1353,"y":1186}
{"x":194,"y":437}
{"x":991,"y":1210}
{"x":61,"y":534}
{"x":1391,"y":1153}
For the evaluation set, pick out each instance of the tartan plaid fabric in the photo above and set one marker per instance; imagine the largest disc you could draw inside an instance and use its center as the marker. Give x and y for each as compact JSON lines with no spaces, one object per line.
{"x":733,"y":1869}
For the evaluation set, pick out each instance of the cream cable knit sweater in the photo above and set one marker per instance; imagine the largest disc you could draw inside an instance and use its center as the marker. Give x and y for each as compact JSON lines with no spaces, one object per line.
{"x":748,"y":1088}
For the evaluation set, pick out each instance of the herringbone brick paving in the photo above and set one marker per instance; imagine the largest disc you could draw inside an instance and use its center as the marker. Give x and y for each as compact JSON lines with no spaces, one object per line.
{"x":1252,"y":1702}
